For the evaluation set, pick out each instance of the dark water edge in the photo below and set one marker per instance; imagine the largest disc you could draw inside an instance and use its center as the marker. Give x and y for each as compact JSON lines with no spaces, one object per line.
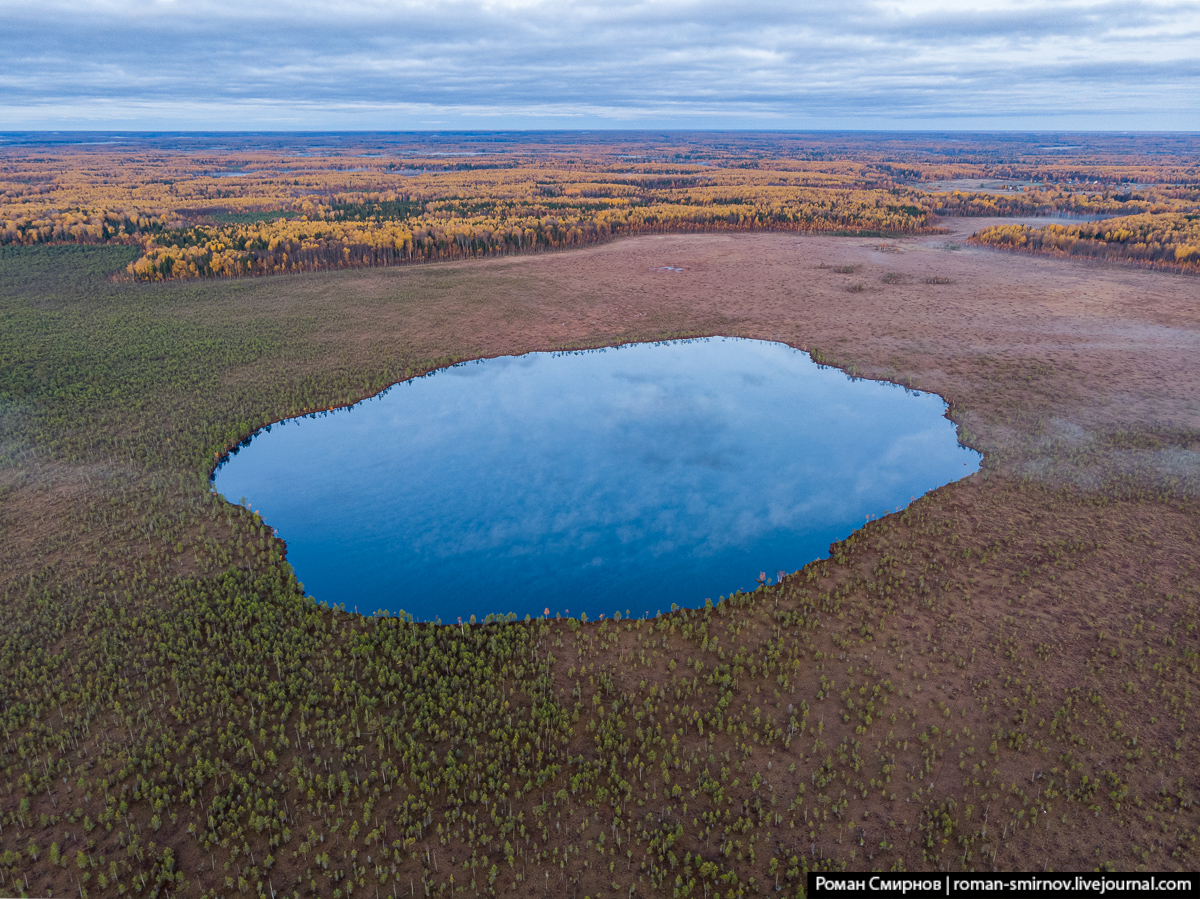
{"x":622,"y":480}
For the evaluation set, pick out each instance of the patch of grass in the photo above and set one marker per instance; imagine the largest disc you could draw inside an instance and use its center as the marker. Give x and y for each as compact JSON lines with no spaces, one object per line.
{"x":59,"y":271}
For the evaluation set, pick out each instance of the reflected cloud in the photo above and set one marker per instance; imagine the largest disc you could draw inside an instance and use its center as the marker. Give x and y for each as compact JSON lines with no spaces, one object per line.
{"x":528,"y":471}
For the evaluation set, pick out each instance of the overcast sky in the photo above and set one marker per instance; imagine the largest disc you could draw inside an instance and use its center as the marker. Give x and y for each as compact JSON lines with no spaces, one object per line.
{"x":498,"y":64}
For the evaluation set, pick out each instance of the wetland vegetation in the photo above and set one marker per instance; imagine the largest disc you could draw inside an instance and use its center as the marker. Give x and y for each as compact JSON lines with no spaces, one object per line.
{"x":1002,"y":675}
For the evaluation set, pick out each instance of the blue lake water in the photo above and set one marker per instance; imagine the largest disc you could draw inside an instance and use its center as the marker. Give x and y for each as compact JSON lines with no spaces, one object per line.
{"x":619,"y":480}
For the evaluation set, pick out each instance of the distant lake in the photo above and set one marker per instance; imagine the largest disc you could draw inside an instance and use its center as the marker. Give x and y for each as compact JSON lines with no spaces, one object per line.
{"x":619,"y":480}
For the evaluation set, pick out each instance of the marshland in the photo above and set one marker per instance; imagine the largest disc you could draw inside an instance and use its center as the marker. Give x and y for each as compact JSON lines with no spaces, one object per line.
{"x":1000,"y":675}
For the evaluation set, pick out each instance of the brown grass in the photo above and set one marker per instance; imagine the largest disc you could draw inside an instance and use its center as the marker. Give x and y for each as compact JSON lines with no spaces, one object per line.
{"x":1031,"y":626}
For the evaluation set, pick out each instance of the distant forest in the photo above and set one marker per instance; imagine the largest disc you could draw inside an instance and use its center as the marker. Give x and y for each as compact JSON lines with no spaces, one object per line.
{"x":214,"y":206}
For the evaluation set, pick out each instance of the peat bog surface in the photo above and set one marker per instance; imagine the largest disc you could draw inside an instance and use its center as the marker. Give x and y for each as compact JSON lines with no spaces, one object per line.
{"x":999,"y":676}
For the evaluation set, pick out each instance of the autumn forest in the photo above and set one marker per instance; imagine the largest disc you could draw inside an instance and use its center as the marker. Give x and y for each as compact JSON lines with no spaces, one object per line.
{"x":250,"y":212}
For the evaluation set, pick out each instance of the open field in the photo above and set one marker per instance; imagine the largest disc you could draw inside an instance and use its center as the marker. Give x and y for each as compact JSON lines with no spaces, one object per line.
{"x":1002,"y":675}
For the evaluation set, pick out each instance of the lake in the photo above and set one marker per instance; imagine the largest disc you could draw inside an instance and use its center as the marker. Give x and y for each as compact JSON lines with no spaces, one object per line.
{"x":617,"y":480}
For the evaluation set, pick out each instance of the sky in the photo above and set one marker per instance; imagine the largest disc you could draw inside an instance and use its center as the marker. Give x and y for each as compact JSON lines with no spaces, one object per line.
{"x":565,"y":64}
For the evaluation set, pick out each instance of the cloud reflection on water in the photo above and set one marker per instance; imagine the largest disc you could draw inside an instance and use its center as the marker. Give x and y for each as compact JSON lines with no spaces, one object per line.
{"x":601,"y":481}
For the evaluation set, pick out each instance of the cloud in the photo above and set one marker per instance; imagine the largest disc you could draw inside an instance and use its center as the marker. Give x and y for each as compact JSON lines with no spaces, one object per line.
{"x":534,"y":63}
